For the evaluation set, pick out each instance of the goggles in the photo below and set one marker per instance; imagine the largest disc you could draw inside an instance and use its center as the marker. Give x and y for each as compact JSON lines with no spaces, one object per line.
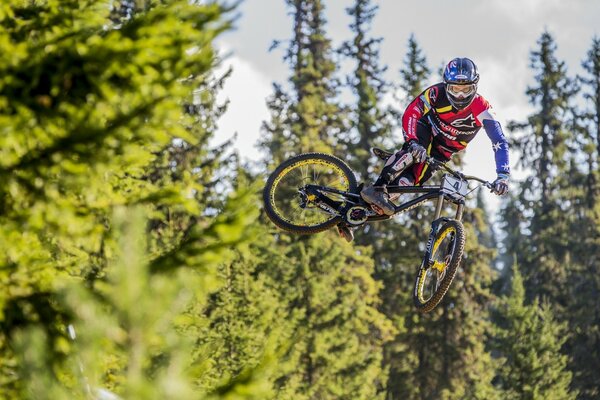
{"x":461,"y":91}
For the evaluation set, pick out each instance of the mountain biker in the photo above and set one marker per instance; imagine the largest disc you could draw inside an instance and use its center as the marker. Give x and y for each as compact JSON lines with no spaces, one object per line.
{"x":439,"y":122}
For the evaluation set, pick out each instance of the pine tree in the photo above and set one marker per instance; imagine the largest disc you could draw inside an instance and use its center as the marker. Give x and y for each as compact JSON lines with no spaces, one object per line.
{"x":312,"y":119}
{"x":88,"y":106}
{"x":529,"y":341}
{"x":370,"y":120}
{"x":324,"y":286}
{"x":415,"y":73}
{"x":585,"y":245}
{"x":592,"y":81}
{"x":444,"y":354}
{"x":397,"y":256}
{"x":543,"y":147}
{"x":132,"y":333}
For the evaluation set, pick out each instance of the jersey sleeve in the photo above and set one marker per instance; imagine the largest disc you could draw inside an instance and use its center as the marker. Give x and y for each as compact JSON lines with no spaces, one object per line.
{"x":499,"y":143}
{"x":415,"y":110}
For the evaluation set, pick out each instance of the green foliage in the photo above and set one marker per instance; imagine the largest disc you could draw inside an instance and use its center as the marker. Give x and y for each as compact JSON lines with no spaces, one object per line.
{"x":88,"y":108}
{"x":325,"y":288}
{"x":135,"y":332}
{"x":310,"y":119}
{"x":415,"y":73}
{"x":544,"y":148}
{"x":370,"y":123}
{"x":117,"y":219}
{"x":331,"y":297}
{"x":529,"y":341}
{"x":582,"y":192}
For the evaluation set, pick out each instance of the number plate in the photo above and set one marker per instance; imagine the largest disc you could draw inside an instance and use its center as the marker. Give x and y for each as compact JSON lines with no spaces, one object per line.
{"x":453,"y":186}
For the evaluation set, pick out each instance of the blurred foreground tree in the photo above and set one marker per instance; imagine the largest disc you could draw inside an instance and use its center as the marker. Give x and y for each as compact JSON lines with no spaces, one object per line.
{"x":86,"y":109}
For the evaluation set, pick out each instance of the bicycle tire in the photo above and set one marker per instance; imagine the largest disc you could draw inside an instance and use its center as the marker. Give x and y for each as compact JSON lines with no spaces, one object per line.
{"x":273,"y":205}
{"x":456,"y":228}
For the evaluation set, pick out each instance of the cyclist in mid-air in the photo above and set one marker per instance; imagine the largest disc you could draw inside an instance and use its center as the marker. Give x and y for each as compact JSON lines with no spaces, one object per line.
{"x":438,"y":123}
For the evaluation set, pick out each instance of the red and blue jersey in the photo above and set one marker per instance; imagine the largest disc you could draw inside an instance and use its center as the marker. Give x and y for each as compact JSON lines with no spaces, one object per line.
{"x":454,"y":129}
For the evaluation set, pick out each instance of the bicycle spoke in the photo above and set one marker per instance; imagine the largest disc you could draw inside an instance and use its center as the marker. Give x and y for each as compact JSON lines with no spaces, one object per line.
{"x":318,"y":174}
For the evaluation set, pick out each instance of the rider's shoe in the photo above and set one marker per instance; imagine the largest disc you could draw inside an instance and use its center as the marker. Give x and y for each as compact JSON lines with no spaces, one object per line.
{"x":378,"y":197}
{"x":345,"y":232}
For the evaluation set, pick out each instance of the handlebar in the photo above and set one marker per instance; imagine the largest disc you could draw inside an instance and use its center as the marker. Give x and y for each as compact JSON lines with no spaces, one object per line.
{"x":436,"y":163}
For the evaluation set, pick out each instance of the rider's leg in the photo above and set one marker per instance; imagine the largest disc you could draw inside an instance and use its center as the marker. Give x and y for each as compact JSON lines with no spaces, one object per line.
{"x":345,"y":232}
{"x":422,"y":172}
{"x":405,"y":179}
{"x":394,"y":166}
{"x":377,"y":194}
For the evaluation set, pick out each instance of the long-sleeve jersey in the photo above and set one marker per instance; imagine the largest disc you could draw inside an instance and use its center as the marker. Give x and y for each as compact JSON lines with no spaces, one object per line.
{"x":453,"y":129}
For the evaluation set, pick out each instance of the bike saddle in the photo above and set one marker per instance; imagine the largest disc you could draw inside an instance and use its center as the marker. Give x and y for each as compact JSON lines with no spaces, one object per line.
{"x":382,"y":154}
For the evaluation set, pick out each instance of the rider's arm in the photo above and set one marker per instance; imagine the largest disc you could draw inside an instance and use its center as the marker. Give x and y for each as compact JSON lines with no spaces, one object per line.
{"x":499,"y":144}
{"x":415,"y":110}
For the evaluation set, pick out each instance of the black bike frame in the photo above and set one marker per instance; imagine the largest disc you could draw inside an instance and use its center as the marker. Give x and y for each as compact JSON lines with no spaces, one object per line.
{"x":428,"y":193}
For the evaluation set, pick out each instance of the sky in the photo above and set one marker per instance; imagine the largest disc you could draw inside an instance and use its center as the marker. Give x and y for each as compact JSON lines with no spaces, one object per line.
{"x":498,"y":35}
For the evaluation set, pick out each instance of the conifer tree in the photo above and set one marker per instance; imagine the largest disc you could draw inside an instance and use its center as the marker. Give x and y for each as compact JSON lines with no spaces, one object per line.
{"x":88,"y":106}
{"x":371,"y":122}
{"x":325,"y":287}
{"x":591,"y":132}
{"x":529,"y":340}
{"x":132,"y":335}
{"x":592,"y":81}
{"x":415,"y":73}
{"x":585,"y":217}
{"x":543,"y":146}
{"x":313,"y":117}
{"x":433,"y":356}
{"x":397,"y":256}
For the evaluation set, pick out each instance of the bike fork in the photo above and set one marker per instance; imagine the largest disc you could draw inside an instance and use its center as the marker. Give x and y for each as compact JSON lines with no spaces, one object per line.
{"x":438,"y":207}
{"x":440,"y":204}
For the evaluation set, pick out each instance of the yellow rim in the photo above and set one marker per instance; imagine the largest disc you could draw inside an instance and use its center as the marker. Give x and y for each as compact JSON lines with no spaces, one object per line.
{"x":331,"y":176}
{"x":440,"y":266}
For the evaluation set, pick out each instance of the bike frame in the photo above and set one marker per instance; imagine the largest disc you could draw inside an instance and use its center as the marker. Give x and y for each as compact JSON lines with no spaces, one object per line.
{"x":427,"y":193}
{"x":439,"y":192}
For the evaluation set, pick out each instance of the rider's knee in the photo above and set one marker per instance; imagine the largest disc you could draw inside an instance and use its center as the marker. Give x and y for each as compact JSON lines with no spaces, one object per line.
{"x":405,"y":181}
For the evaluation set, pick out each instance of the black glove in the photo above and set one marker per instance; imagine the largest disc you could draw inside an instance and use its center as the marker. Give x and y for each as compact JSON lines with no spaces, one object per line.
{"x":418,"y":152}
{"x":500,"y":185}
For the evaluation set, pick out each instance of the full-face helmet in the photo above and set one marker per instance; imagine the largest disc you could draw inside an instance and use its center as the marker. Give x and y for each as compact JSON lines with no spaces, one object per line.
{"x":461,"y":77}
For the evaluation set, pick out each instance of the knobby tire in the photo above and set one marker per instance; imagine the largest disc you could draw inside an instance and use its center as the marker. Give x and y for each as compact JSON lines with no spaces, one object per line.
{"x":271,"y":209}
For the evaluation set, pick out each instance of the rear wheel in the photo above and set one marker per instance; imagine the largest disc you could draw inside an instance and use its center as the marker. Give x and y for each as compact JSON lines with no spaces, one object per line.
{"x":290,"y":207}
{"x":433,"y":280}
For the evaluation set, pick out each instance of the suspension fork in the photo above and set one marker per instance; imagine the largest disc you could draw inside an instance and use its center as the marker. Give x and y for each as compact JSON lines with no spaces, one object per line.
{"x":459,"y":211}
{"x":437,"y":221}
{"x":434,"y":228}
{"x":440,"y":204}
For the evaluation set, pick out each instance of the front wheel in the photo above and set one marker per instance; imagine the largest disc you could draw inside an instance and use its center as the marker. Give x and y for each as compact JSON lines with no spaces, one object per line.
{"x":291,"y":208}
{"x":434,"y":278}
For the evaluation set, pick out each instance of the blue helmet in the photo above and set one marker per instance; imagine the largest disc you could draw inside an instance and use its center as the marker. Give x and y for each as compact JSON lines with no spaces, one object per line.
{"x":461,"y":77}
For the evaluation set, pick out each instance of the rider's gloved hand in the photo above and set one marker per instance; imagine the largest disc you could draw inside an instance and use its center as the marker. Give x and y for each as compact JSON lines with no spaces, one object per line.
{"x":418,"y":152}
{"x":500,"y":185}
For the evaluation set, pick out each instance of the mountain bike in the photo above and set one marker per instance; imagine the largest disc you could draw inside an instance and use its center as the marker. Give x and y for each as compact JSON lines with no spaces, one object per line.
{"x":312,"y":192}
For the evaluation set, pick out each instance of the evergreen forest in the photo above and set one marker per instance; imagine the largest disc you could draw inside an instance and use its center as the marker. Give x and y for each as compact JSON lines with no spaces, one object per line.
{"x":136,"y":261}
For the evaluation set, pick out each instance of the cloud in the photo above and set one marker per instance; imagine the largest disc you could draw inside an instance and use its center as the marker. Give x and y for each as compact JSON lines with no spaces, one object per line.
{"x":247,"y":90}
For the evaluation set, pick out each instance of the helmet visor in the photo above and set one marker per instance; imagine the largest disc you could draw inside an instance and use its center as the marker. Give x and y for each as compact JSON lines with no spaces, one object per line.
{"x":461,"y":91}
